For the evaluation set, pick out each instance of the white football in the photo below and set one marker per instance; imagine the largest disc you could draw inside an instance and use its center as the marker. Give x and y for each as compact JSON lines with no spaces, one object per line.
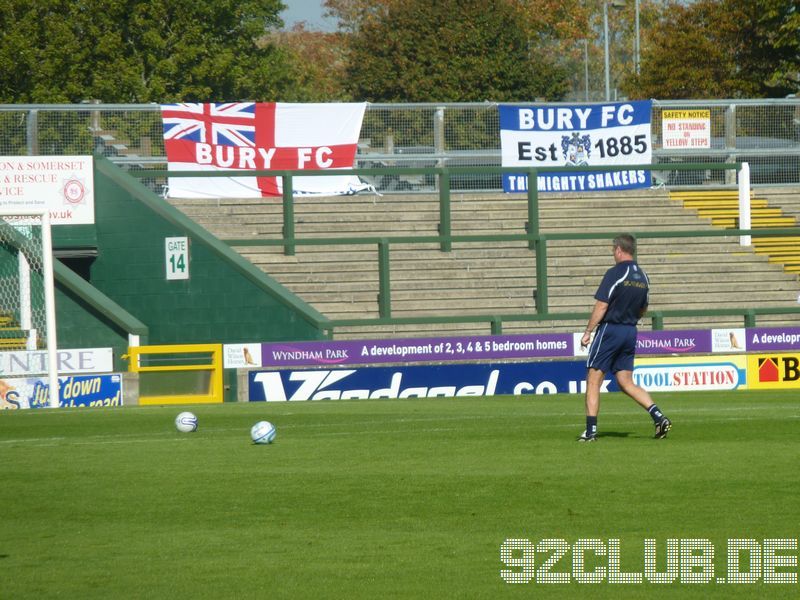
{"x":263,"y":432}
{"x":186,"y":422}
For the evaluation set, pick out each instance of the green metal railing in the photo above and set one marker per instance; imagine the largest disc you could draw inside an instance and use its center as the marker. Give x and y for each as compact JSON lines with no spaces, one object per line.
{"x":443,"y":174}
{"x":536,"y":241}
{"x":542,"y":300}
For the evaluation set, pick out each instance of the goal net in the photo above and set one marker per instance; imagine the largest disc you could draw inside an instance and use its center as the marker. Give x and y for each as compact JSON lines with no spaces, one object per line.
{"x":28,"y":367}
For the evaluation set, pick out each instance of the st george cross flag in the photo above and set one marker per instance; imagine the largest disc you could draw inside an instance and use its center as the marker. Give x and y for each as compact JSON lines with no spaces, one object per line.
{"x":261,"y":136}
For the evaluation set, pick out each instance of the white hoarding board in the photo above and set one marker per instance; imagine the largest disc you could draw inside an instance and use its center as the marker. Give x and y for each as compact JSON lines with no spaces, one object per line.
{"x":64,"y":185}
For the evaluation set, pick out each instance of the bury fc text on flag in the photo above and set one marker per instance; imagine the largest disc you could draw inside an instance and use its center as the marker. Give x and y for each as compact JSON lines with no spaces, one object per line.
{"x":260,"y":136}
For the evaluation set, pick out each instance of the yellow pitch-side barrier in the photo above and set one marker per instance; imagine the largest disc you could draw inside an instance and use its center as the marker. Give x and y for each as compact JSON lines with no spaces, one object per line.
{"x":178,"y":374}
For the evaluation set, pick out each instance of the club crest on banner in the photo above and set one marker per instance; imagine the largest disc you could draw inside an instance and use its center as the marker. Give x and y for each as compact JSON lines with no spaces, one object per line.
{"x":576,"y":149}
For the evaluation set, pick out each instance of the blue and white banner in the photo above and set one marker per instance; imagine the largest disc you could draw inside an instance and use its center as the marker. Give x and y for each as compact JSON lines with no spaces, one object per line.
{"x":576,"y":135}
{"x":74,"y":390}
{"x":556,"y":377}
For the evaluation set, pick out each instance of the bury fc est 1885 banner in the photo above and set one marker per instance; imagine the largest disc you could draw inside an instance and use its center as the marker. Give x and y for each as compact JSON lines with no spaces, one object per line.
{"x":260,"y":136}
{"x":574,"y":136}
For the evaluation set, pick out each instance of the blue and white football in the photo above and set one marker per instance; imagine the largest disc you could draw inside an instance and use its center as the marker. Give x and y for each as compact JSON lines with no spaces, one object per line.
{"x":263,"y":432}
{"x":186,"y":422}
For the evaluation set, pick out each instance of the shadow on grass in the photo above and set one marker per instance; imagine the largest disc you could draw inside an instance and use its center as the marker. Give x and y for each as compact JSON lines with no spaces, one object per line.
{"x":614,"y":434}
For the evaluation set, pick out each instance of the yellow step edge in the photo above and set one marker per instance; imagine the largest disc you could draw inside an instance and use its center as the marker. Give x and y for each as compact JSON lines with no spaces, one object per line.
{"x":732,"y":224}
{"x":731,"y":205}
{"x":735,"y":218}
{"x":705,"y":193}
{"x":719,"y":204}
{"x":779,"y":252}
{"x":784,"y":259}
{"x":794,"y":248}
{"x":773,"y":249}
{"x":755,"y":218}
{"x":758,"y":212}
{"x":722,"y":202}
{"x":702,"y":199}
{"x":775,"y":240}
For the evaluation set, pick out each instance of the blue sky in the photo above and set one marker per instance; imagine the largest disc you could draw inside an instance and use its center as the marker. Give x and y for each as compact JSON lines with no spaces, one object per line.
{"x":310,"y":11}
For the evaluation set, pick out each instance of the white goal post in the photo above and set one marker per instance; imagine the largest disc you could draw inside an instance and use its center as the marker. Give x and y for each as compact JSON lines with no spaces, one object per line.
{"x":27,"y":301}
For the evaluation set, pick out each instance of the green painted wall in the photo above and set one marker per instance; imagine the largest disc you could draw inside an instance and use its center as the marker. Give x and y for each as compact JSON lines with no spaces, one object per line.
{"x":226,"y":299}
{"x":80,"y":326}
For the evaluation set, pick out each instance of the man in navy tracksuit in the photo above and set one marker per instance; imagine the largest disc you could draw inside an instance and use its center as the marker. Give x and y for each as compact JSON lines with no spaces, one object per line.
{"x":621,"y":300}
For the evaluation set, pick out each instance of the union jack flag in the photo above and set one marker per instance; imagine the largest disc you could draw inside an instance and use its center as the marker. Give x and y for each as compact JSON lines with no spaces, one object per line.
{"x":231,"y":124}
{"x":256,"y":136}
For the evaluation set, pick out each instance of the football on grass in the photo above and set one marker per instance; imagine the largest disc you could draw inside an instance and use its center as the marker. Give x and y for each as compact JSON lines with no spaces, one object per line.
{"x":186,"y":422}
{"x":263,"y":432}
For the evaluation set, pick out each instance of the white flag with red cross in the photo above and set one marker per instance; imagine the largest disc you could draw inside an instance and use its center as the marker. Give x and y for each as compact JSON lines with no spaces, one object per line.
{"x":250,"y":136}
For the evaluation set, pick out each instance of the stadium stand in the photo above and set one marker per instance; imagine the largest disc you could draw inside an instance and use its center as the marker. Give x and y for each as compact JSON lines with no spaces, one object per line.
{"x":341,"y":281}
{"x":722,"y":207}
{"x":11,"y":336}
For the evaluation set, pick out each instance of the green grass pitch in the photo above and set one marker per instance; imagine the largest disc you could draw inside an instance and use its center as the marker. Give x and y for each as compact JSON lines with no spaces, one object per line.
{"x":385,"y":498}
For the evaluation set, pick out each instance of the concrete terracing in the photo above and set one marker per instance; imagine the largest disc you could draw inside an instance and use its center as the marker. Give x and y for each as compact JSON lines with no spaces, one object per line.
{"x":499,"y":277}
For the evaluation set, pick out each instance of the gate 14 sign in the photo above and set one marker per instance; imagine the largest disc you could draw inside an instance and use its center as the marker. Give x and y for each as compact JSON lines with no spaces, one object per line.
{"x":177,"y":255}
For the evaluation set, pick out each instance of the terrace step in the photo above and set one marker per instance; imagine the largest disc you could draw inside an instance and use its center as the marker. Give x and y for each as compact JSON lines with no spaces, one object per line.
{"x":481,"y":278}
{"x":723,"y":210}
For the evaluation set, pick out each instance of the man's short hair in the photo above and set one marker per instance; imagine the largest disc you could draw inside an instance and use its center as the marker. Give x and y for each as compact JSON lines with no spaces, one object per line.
{"x":626,"y":242}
